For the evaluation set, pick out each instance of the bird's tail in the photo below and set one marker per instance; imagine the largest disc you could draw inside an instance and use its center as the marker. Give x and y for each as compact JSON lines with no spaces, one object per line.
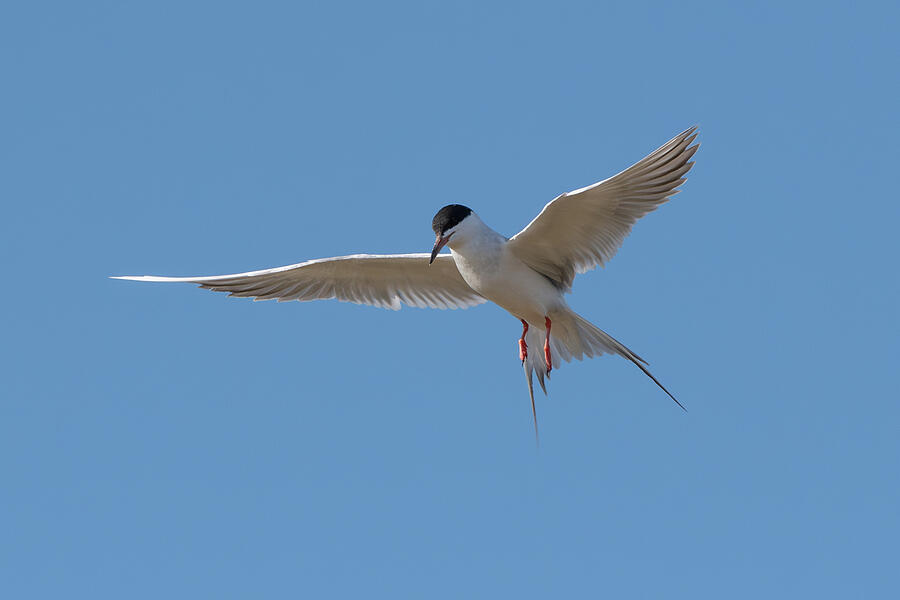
{"x":574,"y":337}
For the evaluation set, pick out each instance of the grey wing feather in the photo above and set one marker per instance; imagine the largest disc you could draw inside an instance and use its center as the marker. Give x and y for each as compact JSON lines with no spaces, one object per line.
{"x":386,"y":281}
{"x":584,"y":228}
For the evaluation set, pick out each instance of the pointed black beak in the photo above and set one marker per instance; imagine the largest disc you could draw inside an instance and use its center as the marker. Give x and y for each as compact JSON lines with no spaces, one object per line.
{"x":439,"y":243}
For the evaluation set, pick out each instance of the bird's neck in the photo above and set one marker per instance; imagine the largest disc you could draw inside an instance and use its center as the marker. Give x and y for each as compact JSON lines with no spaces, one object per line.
{"x":475,"y":236}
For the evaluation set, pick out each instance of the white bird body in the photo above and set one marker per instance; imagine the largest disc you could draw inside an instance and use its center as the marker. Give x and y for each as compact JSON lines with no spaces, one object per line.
{"x":527,"y":275}
{"x":487,"y":264}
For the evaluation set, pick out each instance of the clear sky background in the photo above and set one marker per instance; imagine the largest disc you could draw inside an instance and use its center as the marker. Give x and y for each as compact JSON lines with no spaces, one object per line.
{"x":161,"y":441}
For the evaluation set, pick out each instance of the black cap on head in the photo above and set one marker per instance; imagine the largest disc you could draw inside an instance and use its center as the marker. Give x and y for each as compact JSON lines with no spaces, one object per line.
{"x":449,"y":217}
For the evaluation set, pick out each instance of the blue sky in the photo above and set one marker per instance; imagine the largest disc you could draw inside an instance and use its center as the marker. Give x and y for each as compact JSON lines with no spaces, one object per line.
{"x":166,"y":441}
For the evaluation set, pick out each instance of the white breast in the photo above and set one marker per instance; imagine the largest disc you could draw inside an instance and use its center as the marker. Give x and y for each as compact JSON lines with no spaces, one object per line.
{"x":487,"y":265}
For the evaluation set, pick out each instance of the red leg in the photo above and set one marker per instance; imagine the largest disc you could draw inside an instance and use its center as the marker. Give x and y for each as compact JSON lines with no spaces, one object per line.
{"x":547,"y":346}
{"x":523,"y":349}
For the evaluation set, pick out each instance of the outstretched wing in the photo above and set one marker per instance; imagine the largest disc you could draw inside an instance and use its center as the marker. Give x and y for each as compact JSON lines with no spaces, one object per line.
{"x":584,"y":228}
{"x":386,"y":281}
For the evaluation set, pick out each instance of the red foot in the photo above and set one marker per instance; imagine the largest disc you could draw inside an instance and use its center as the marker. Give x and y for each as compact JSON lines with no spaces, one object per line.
{"x":547,"y":346}
{"x":523,"y":349}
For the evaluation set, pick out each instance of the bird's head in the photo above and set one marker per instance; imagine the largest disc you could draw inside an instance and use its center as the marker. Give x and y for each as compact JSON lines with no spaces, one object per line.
{"x":447,"y":222}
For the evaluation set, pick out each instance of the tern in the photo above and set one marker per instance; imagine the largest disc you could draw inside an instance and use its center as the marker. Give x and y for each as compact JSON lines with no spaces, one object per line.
{"x":528,"y":274}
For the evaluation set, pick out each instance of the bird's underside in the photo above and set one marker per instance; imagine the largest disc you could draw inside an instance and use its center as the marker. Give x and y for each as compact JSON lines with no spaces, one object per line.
{"x":574,"y":233}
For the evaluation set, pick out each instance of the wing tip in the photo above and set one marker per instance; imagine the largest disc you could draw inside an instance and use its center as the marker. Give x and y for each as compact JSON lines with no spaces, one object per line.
{"x":152,"y":278}
{"x":690,"y":134}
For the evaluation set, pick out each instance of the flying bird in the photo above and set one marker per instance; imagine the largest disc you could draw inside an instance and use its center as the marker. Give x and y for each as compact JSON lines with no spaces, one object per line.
{"x":528,"y":274}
